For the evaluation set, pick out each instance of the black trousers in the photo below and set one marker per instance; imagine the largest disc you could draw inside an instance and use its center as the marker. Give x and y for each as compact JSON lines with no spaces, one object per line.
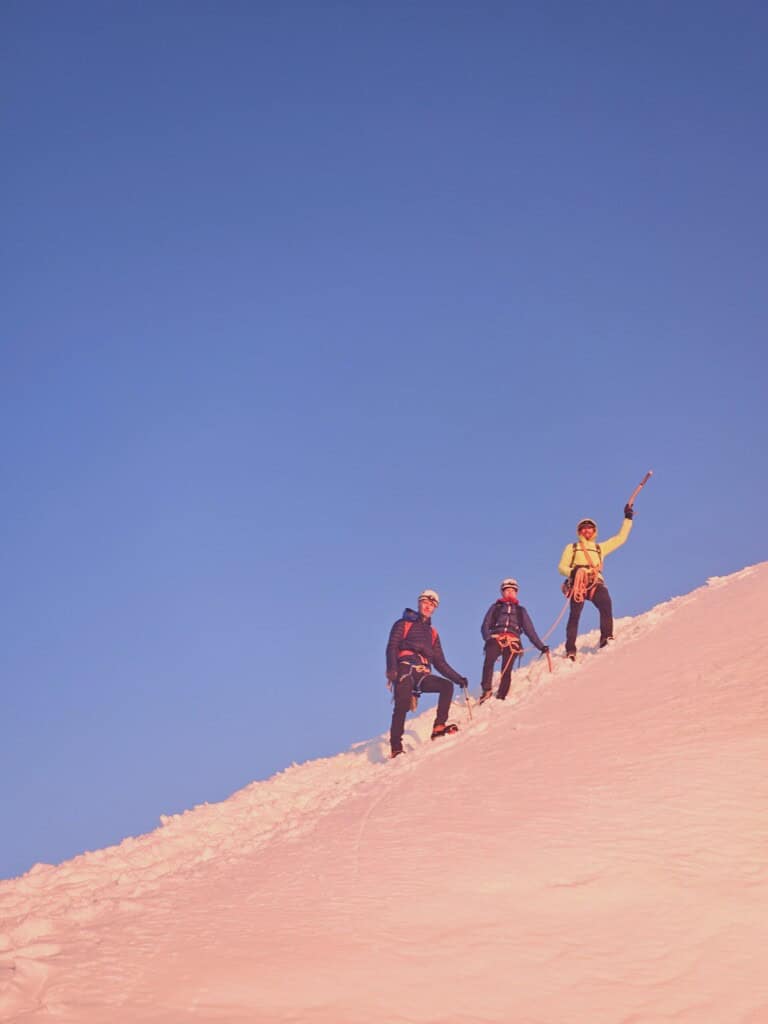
{"x":404,"y":688}
{"x":601,"y":599}
{"x":492,"y":651}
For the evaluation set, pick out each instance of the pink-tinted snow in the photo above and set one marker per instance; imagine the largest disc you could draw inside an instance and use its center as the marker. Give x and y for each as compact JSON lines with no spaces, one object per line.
{"x":594,"y":850}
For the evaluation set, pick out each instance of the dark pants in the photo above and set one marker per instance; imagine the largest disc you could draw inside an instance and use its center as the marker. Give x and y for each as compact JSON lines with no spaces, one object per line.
{"x":492,"y":651}
{"x":404,"y":687}
{"x":601,"y":599}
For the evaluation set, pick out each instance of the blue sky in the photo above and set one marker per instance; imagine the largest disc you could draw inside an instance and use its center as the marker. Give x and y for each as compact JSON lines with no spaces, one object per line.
{"x":310,"y":306}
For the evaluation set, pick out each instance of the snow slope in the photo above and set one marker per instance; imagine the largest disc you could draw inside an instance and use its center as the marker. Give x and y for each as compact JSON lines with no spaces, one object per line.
{"x":595,"y":849}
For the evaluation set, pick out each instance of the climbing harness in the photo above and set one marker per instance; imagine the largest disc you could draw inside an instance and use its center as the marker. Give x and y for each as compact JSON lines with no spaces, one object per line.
{"x":511,"y":642}
{"x":413,"y":671}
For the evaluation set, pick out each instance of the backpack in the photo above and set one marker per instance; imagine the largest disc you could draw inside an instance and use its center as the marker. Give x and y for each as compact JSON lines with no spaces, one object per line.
{"x":407,"y":630}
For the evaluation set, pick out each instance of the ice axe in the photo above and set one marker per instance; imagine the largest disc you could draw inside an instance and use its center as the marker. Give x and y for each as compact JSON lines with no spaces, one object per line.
{"x":466,"y":698}
{"x":639,"y":488}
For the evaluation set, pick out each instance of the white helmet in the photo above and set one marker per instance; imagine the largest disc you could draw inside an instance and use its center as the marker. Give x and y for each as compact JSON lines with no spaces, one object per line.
{"x":586,"y":522}
{"x":430,"y":595}
{"x":509,"y":583}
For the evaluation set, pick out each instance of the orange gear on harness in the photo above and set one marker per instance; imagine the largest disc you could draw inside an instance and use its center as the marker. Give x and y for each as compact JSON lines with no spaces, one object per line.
{"x":511,"y":640}
{"x":583,"y":585}
{"x":586,"y":579}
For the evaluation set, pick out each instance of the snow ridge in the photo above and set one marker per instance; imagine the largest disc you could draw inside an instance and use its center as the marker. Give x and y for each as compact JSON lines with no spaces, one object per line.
{"x":587,"y":736}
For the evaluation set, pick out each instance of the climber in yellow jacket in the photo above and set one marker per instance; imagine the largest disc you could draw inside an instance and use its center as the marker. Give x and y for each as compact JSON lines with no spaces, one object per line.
{"x":582,"y":564}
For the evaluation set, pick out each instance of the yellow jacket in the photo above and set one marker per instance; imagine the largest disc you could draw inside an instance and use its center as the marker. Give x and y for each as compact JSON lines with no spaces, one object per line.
{"x":570,"y":559}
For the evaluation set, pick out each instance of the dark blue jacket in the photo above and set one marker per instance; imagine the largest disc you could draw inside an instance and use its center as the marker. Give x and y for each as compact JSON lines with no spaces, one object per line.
{"x":420,"y":640}
{"x":509,"y":617}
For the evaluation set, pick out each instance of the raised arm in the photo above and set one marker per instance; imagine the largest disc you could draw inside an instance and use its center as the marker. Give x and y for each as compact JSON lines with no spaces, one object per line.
{"x":607,"y":546}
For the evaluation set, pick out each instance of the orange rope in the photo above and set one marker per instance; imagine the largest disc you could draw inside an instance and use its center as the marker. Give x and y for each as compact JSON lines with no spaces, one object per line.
{"x":584,"y":584}
{"x":554,"y":625}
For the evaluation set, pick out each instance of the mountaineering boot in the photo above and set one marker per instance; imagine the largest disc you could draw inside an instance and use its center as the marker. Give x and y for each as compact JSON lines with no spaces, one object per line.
{"x":604,"y":643}
{"x":485,"y":695}
{"x":571,"y":657}
{"x":396,"y":753}
{"x":444,"y":730}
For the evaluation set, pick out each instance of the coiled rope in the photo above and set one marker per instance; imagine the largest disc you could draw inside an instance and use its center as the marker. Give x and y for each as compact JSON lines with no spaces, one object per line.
{"x":584,"y":584}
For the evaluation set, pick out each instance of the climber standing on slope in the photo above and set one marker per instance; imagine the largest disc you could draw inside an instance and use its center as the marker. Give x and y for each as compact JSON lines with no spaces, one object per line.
{"x":413,"y":647}
{"x":504,"y":621}
{"x":582,"y":564}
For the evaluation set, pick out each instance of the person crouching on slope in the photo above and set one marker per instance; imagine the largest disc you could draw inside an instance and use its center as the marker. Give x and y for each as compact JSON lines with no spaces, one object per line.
{"x":504,"y":621}
{"x":582,"y":563}
{"x":413,"y":647}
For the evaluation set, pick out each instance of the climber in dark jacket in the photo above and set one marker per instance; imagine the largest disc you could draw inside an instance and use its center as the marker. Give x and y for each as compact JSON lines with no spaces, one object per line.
{"x":413,"y":647}
{"x":504,"y":621}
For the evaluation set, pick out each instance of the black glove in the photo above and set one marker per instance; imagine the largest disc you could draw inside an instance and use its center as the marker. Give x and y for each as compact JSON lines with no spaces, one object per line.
{"x":629,"y":512}
{"x":545,"y":649}
{"x":392,"y":675}
{"x":463,"y":683}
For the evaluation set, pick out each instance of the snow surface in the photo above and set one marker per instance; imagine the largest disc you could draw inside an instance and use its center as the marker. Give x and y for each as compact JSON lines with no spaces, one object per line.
{"x":595,"y":849}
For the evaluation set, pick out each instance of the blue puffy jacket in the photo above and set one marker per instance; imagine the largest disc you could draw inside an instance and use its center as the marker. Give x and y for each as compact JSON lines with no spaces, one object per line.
{"x":509,"y":617}
{"x":423,"y":640}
